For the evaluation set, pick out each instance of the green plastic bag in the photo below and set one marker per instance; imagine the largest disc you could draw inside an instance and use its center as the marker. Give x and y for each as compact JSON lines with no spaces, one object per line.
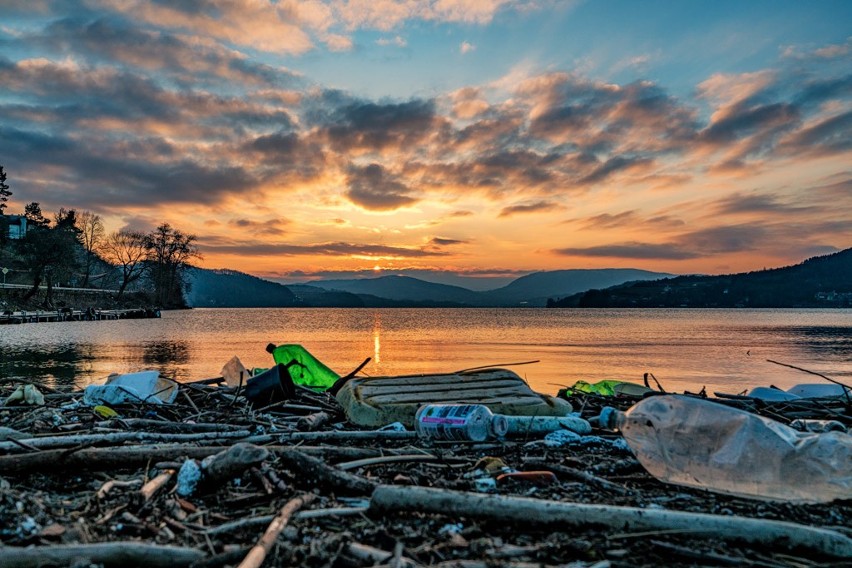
{"x":308,"y":370}
{"x":608,"y":387}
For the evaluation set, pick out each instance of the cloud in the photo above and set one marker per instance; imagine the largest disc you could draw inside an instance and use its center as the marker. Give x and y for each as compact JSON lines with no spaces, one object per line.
{"x":829,"y":136}
{"x":468,"y":103}
{"x":262,"y":25}
{"x":523,"y":208}
{"x":119,"y":40}
{"x":833,"y":51}
{"x":613,"y":166}
{"x":700,"y":243}
{"x":268,"y":227}
{"x":386,"y":15}
{"x":375,"y":126}
{"x":397,"y":41}
{"x":632,"y":250}
{"x":254,"y":248}
{"x":442,"y":242}
{"x":466,"y":47}
{"x":755,"y":203}
{"x":372,"y":187}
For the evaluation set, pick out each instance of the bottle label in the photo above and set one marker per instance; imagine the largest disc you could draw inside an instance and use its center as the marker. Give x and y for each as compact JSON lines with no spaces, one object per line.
{"x":452,"y":422}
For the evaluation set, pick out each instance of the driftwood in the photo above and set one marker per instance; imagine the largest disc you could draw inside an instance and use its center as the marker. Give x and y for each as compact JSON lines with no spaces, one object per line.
{"x":258,"y":553}
{"x":779,"y":534}
{"x":403,"y":458}
{"x":375,"y":556}
{"x":313,"y":471}
{"x":231,"y":462}
{"x":153,"y":487}
{"x":312,"y":422}
{"x":163,"y":426}
{"x":94,"y":459}
{"x":117,"y":554}
{"x":73,"y":440}
{"x":109,"y":485}
{"x":580,"y":476}
{"x":266,"y":519}
{"x":334,"y":436}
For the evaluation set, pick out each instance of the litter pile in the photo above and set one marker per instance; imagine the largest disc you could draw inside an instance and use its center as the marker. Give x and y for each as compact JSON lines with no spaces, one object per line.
{"x":296,"y":466}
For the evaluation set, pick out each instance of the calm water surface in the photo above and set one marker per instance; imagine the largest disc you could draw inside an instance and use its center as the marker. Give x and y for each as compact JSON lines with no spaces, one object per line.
{"x":725,"y":350}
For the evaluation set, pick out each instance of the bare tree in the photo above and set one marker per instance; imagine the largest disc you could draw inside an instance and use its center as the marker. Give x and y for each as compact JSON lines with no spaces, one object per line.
{"x":169,"y":254}
{"x":126,"y":250}
{"x":91,"y":235}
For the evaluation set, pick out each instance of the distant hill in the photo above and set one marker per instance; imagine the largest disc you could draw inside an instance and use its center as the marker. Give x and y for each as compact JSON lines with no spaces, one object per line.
{"x":824,"y":281}
{"x":535,"y":289}
{"x":232,"y":289}
{"x":405,"y":289}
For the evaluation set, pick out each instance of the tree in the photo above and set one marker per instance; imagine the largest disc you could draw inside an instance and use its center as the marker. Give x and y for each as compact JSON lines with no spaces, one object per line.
{"x":128,"y":251}
{"x":4,"y":191}
{"x":35,"y":218}
{"x":91,"y":235}
{"x":169,"y":254}
{"x":48,"y":253}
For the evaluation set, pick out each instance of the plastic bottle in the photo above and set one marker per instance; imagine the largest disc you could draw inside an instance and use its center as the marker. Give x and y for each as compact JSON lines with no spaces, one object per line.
{"x":533,"y":425}
{"x":459,"y":422}
{"x":698,"y":443}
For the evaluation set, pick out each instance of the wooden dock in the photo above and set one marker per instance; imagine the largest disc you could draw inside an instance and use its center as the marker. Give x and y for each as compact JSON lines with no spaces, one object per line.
{"x":67,"y":314}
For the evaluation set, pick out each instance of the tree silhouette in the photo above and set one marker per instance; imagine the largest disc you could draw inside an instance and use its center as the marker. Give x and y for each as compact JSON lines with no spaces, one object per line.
{"x":48,"y":253}
{"x":4,"y":191}
{"x":169,"y":254}
{"x":91,"y":235}
{"x":127,"y":251}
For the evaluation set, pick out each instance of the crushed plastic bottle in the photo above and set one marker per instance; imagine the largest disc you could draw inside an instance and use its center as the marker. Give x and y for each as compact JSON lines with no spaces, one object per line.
{"x":459,"y":422}
{"x":698,"y":443}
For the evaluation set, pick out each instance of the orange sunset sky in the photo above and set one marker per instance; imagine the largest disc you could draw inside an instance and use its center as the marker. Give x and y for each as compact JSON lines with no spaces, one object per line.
{"x":485,"y":138}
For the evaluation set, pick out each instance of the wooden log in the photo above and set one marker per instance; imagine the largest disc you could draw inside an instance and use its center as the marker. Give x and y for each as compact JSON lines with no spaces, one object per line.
{"x":258,"y":553}
{"x":763,"y":532}
{"x":333,"y":436}
{"x":131,"y":457}
{"x":117,"y":554}
{"x":403,"y":458}
{"x":231,"y":463}
{"x":167,"y":426}
{"x":73,"y":440}
{"x":313,"y":471}
{"x":312,"y":422}
{"x":375,"y":556}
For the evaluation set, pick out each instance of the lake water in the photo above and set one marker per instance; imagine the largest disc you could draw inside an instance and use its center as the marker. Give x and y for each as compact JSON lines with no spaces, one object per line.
{"x":724,"y":350}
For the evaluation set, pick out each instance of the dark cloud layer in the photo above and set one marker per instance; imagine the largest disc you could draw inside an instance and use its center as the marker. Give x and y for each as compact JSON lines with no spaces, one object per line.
{"x":324,"y":249}
{"x":104,"y":109}
{"x":373,"y":187}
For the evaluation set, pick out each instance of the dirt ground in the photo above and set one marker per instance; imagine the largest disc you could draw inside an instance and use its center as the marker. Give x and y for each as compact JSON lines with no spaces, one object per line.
{"x":76,"y":475}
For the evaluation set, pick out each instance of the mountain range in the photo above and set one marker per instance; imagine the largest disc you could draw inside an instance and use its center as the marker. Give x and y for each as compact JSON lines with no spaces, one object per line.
{"x":229,"y":288}
{"x":824,"y":281}
{"x":819,"y":282}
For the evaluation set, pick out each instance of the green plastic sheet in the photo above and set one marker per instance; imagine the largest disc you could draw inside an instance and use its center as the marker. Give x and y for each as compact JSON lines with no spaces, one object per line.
{"x":608,"y":387}
{"x":309,"y":371}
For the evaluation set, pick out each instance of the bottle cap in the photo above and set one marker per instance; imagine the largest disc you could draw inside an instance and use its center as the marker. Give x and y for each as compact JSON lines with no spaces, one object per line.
{"x":607,"y":417}
{"x":499,"y":425}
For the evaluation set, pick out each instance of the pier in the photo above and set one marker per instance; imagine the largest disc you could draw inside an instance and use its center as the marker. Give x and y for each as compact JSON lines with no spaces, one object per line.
{"x":67,"y":314}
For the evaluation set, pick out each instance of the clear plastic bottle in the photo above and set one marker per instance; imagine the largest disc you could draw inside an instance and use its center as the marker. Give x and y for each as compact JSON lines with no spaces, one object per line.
{"x":459,"y":422}
{"x":698,"y":443}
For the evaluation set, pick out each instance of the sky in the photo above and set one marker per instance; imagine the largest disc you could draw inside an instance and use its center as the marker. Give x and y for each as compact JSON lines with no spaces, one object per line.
{"x":440,"y":138}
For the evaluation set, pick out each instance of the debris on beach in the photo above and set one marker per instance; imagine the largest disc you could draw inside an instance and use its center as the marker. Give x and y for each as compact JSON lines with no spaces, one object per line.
{"x":214,"y":479}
